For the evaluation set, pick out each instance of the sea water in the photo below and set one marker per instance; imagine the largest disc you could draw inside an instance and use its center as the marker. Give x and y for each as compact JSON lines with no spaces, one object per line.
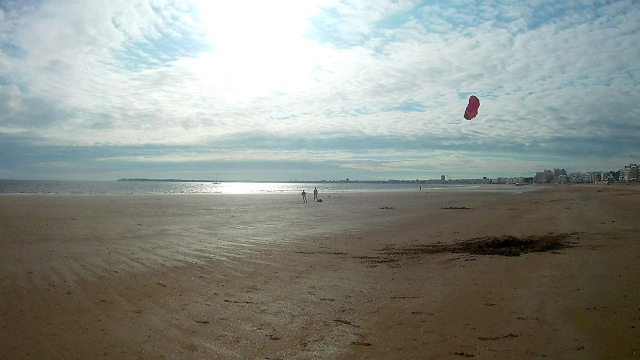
{"x":54,"y":187}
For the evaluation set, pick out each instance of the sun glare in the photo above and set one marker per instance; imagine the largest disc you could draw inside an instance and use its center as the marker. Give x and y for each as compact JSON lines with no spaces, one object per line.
{"x":258,"y":46}
{"x":240,"y":24}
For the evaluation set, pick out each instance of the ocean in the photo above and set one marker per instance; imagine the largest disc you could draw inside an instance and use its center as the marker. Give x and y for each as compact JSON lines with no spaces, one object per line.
{"x":54,"y":187}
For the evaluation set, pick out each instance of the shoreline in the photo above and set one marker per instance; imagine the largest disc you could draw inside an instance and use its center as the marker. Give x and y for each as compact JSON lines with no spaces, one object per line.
{"x":246,"y":276}
{"x":62,"y":188}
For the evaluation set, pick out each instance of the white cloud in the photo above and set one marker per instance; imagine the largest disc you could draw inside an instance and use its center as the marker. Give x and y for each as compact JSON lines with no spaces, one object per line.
{"x":552,"y":77}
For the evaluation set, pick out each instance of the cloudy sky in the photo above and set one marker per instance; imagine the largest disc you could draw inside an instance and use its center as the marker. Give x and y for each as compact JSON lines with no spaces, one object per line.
{"x":316,"y":89}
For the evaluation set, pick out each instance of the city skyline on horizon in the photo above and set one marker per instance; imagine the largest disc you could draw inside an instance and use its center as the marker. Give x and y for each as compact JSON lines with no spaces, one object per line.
{"x":326,"y":179}
{"x":347,"y":179}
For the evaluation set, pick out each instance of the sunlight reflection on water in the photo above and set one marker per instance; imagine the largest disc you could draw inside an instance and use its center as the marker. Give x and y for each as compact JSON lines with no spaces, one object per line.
{"x":50,"y":187}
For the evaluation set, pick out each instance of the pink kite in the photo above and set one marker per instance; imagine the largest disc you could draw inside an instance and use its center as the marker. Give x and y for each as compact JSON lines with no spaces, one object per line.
{"x":472,"y":108}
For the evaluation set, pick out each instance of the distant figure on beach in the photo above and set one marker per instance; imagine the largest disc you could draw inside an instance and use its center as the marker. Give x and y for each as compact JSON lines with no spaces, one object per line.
{"x":304,"y":196}
{"x":315,"y":194}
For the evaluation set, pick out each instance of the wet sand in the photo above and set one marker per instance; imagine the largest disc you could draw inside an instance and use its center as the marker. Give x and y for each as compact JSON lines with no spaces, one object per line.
{"x":268,"y":277}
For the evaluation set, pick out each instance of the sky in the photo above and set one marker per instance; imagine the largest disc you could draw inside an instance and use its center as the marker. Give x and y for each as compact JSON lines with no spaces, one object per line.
{"x":316,"y":89}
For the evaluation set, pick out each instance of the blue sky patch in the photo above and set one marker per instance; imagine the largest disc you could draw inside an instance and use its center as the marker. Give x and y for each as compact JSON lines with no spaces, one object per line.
{"x":12,"y":50}
{"x":411,"y":106}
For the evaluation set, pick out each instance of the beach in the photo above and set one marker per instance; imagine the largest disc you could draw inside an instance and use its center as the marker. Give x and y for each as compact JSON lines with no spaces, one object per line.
{"x":372,"y":275}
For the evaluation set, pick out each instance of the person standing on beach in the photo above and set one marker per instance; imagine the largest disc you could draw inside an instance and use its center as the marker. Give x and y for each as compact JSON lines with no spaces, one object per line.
{"x":315,"y":194}
{"x":304,"y":196}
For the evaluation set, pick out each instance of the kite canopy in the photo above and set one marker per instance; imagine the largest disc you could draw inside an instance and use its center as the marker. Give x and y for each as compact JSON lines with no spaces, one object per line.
{"x":472,"y":108}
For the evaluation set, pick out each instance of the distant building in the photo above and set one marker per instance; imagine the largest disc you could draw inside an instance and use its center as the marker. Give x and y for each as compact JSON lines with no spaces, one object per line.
{"x":559,"y":176}
{"x":629,"y":173}
{"x":593,"y":177}
{"x":543,"y":177}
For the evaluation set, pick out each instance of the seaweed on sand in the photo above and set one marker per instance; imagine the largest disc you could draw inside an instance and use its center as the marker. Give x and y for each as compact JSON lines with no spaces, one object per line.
{"x":504,"y":246}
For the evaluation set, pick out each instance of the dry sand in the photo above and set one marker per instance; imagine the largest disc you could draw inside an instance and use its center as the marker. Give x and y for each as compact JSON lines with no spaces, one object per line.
{"x":268,"y":277}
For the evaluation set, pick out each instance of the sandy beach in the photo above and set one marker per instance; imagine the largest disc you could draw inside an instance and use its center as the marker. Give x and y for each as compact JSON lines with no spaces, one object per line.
{"x":375,"y":275}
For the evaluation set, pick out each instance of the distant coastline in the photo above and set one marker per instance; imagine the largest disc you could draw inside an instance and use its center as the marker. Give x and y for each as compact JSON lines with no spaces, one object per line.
{"x":310,"y":181}
{"x":168,"y":180}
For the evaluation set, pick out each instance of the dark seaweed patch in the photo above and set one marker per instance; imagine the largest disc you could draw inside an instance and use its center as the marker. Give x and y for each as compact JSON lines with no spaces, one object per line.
{"x":503,"y":246}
